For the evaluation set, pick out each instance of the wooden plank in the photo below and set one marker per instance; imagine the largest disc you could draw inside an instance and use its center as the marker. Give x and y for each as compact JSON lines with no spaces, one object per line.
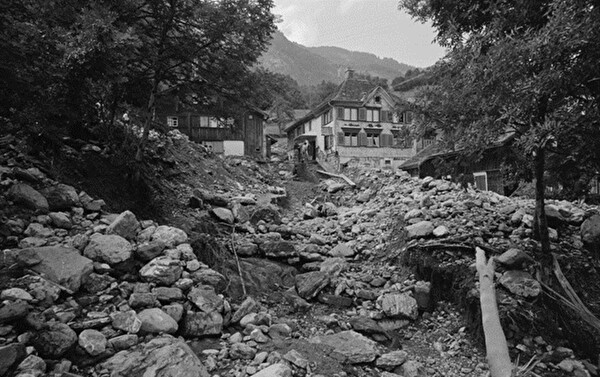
{"x":342,"y":176}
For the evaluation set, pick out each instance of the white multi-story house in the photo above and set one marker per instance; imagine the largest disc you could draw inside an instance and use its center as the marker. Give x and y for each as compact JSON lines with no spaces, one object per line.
{"x":357,"y":124}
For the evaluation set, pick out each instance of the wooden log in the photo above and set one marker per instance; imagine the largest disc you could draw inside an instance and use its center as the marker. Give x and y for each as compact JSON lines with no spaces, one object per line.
{"x":495,"y":341}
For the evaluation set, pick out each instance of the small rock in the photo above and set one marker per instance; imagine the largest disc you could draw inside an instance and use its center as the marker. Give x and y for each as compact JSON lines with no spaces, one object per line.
{"x":92,"y":341}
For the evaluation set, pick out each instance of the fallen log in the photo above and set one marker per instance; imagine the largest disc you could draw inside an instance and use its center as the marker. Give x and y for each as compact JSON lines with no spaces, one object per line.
{"x":495,"y":341}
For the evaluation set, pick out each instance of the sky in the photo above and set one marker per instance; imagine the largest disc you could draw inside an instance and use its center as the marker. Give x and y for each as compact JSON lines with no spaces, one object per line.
{"x":375,"y":26}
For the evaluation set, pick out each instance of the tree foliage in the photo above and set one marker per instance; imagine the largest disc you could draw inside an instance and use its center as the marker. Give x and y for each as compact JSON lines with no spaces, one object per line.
{"x":520,"y":66}
{"x":77,"y":63}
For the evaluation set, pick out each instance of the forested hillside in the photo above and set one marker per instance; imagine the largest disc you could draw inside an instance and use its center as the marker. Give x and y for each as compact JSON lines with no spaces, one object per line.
{"x":312,"y":65}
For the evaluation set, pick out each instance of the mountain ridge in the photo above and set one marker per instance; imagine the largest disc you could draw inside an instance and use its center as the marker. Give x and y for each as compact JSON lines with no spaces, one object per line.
{"x":312,"y":65}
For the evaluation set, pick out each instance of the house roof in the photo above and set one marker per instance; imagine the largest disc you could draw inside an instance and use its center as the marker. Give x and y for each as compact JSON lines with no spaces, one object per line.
{"x":353,"y":91}
{"x":436,"y":149}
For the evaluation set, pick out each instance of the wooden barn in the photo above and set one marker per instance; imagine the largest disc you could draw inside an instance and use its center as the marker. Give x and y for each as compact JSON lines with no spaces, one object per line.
{"x":242,"y":134}
{"x":482,"y":169}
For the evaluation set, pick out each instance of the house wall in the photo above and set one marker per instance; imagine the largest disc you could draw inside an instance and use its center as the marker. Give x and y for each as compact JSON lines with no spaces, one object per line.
{"x":233,"y":147}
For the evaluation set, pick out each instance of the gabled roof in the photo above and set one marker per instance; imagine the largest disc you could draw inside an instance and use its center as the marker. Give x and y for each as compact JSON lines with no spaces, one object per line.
{"x":353,"y":91}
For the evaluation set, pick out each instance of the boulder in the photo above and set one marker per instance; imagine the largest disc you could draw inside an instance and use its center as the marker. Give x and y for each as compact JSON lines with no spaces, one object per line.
{"x":520,"y":283}
{"x":125,"y":225}
{"x":61,"y":197}
{"x":162,"y":270}
{"x":163,"y":356}
{"x":155,"y":321}
{"x":342,"y":250}
{"x":398,"y":305}
{"x":279,"y":249}
{"x":10,"y":355}
{"x":208,"y":276}
{"x":391,"y":360}
{"x":29,"y":197}
{"x":351,"y":346}
{"x":205,"y":298}
{"x":201,"y":324}
{"x":420,"y":229}
{"x":590,"y":233}
{"x":126,"y":321}
{"x":241,"y":351}
{"x":54,"y":340}
{"x":249,"y":305}
{"x":92,"y":341}
{"x":150,"y":250}
{"x":109,"y":249}
{"x":267,"y":214}
{"x":60,"y":220}
{"x":275,"y":370}
{"x":62,"y":265}
{"x":513,"y":258}
{"x":308,"y":285}
{"x":13,"y":310}
{"x":170,"y":236}
{"x":223,"y":214}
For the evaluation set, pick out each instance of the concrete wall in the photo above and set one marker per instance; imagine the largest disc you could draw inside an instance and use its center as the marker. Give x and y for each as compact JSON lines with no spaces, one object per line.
{"x":374,"y":156}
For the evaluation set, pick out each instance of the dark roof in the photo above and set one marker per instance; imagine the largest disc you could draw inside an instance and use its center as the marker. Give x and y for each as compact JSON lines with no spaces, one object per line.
{"x":353,"y":89}
{"x":423,"y":155}
{"x":436,"y":149}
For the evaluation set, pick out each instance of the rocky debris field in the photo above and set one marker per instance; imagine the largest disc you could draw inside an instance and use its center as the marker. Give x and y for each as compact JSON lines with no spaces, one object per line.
{"x":356,"y":281}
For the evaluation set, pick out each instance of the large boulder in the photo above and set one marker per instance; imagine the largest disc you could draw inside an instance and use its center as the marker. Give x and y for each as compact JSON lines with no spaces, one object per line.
{"x":353,"y":347}
{"x":309,"y":285}
{"x":398,"y":305}
{"x":109,"y":248}
{"x":275,"y":370}
{"x":590,"y":233}
{"x":164,"y":356}
{"x":125,"y":225}
{"x":342,"y":250}
{"x":205,"y":298}
{"x":62,"y":265}
{"x":61,"y":197}
{"x":29,"y":197}
{"x":162,"y":270}
{"x":155,"y":321}
{"x":54,"y":341}
{"x":208,"y":276}
{"x":169,"y":235}
{"x":521,"y":283}
{"x":10,"y":355}
{"x":201,"y":324}
{"x":420,"y":229}
{"x":92,"y":341}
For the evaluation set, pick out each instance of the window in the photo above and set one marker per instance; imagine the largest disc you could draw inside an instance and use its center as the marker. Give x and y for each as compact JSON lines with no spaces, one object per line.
{"x":387,"y":161}
{"x":172,"y":122}
{"x":204,"y":121}
{"x":310,"y":125}
{"x":303,"y":129}
{"x":480,"y":179}
{"x":350,"y":114}
{"x":373,"y":139}
{"x":327,"y":117}
{"x":351,"y":138}
{"x":327,"y":142}
{"x":372,"y":115}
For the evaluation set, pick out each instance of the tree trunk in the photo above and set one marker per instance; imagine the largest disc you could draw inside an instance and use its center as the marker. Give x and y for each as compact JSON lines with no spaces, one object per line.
{"x":540,"y":224}
{"x":139,"y":156}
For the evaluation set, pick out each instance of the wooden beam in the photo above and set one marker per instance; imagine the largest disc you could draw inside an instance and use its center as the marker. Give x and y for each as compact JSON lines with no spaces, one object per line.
{"x":342,"y":176}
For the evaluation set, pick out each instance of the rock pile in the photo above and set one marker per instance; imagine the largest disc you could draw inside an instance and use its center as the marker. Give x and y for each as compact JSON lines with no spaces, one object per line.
{"x":110,"y":294}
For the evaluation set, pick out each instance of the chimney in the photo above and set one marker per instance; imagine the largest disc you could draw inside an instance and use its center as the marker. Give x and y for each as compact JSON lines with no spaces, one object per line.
{"x":349,"y":73}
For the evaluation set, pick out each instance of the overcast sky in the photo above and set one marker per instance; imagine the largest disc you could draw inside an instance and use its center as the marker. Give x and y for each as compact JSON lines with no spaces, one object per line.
{"x":375,"y":26}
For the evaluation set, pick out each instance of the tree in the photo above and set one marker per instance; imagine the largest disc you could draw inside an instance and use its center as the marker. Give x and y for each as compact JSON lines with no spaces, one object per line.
{"x":75,"y":62}
{"x":526,"y":67}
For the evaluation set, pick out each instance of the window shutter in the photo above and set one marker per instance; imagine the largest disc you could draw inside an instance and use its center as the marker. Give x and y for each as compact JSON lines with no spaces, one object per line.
{"x":385,"y":140}
{"x":340,"y":113}
{"x":340,"y":138}
{"x":384,"y":115}
{"x":362,"y":114}
{"x":362,"y":139}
